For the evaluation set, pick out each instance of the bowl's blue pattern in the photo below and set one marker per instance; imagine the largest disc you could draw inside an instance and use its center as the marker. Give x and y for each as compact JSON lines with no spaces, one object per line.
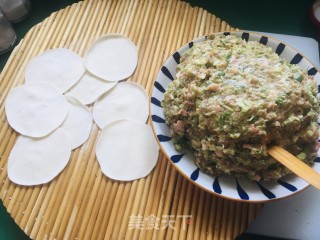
{"x":226,"y":186}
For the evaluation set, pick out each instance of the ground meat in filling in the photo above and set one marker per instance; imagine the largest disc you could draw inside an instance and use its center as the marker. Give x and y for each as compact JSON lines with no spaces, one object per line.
{"x":230,"y":99}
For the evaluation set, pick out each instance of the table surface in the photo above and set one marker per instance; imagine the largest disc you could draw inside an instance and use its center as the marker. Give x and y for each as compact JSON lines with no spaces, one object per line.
{"x":285,"y":17}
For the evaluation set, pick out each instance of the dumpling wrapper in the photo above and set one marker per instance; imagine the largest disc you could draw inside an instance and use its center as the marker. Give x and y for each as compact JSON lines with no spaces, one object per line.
{"x":89,"y":88}
{"x":127,"y":100}
{"x":35,"y":161}
{"x":127,"y":150}
{"x":78,"y":123}
{"x":60,"y":67}
{"x":35,"y":110}
{"x":112,"y":57}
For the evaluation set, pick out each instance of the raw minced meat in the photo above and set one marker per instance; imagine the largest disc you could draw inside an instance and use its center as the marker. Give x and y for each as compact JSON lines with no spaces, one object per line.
{"x":231,"y":99}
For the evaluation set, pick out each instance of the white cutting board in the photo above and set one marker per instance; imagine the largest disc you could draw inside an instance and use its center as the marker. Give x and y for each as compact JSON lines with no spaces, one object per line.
{"x":296,"y":217}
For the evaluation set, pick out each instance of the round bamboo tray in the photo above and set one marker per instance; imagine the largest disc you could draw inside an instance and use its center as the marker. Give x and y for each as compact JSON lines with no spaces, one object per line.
{"x":81,"y":203}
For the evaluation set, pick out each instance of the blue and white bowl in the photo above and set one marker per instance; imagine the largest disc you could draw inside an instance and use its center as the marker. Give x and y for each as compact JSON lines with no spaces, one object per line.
{"x":225,"y":186}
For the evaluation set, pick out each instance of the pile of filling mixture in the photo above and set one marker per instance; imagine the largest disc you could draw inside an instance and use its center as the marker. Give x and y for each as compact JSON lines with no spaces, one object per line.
{"x":231,"y":99}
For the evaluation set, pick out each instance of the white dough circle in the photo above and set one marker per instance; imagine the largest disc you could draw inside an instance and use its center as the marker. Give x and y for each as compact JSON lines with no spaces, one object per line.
{"x":112,"y":57}
{"x":127,"y":150}
{"x":89,"y":88}
{"x":35,"y":110}
{"x":127,"y":100}
{"x":60,"y":67}
{"x":35,"y":161}
{"x":78,"y":122}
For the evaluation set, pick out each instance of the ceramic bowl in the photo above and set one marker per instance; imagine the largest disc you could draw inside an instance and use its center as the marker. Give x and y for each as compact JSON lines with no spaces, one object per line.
{"x":224,"y":185}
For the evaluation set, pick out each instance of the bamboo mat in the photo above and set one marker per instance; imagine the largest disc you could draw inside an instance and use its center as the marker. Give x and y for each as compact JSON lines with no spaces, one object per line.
{"x":81,"y":203}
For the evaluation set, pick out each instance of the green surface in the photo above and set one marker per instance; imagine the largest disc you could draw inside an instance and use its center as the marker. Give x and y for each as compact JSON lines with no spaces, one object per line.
{"x":8,"y":229}
{"x":277,"y":16}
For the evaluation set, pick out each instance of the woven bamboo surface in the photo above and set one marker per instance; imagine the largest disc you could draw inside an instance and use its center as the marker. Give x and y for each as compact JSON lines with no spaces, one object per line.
{"x":81,"y":203}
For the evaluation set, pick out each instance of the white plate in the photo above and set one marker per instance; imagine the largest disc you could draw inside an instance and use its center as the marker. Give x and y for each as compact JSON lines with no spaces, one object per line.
{"x":225,"y":186}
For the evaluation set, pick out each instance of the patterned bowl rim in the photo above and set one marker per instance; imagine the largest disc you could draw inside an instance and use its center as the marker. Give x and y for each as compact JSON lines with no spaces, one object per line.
{"x":245,"y":35}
